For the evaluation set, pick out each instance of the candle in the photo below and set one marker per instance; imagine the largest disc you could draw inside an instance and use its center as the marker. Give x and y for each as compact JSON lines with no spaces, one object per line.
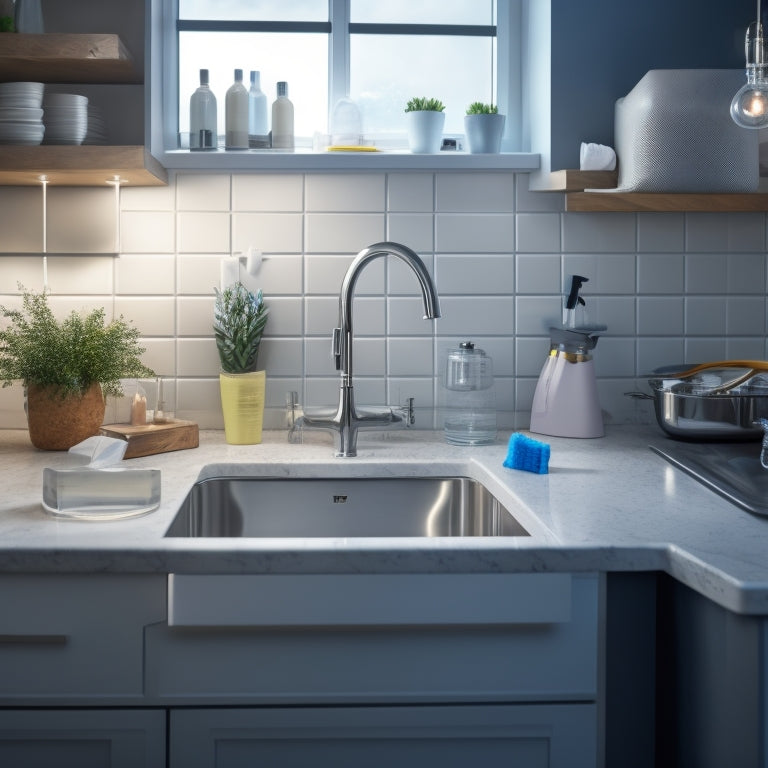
{"x":138,"y":410}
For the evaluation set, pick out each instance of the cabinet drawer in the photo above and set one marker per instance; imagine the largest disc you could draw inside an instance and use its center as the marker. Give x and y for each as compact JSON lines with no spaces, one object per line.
{"x":535,"y":660}
{"x":75,"y":636}
{"x":544,"y":736}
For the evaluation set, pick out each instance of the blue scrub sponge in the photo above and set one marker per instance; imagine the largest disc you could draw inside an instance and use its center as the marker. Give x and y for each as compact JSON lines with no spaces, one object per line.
{"x":526,"y":453}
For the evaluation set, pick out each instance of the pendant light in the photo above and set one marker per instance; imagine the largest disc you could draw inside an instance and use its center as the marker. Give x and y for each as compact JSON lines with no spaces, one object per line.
{"x":749,"y":107}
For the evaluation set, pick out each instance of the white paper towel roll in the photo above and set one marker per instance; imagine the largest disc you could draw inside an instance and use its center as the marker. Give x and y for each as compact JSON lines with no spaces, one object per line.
{"x":253,"y":259}
{"x":230,"y":272}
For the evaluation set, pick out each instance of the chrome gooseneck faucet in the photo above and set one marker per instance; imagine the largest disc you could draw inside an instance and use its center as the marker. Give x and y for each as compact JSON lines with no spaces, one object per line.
{"x":347,"y":419}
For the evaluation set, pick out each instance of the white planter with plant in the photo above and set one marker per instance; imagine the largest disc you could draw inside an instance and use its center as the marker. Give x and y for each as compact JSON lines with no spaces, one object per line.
{"x":239,"y":321}
{"x":484,"y":127}
{"x":425,"y":119}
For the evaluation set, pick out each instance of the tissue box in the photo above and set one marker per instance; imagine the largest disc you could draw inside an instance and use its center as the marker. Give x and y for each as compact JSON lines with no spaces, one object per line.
{"x":674,"y":133}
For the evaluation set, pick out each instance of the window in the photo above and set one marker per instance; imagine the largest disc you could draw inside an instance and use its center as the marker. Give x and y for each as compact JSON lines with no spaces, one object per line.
{"x":378,"y":53}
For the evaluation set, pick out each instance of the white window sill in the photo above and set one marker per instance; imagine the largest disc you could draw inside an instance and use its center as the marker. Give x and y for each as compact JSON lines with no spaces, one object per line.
{"x":306,"y":160}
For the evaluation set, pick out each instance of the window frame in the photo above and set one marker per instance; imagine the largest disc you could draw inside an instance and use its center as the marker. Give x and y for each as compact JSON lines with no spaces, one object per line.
{"x":163,"y":99}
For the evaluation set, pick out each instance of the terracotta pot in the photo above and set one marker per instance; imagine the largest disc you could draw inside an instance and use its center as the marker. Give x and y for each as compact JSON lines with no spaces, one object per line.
{"x":57,"y":423}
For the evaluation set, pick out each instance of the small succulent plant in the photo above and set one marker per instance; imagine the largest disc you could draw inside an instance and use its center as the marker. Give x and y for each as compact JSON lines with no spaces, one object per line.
{"x":239,"y":318}
{"x":479,"y":108}
{"x":423,"y":104}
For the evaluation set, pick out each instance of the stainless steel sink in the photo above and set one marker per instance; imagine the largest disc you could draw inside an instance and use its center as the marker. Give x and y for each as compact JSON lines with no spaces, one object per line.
{"x":329,"y":507}
{"x":732,"y":470}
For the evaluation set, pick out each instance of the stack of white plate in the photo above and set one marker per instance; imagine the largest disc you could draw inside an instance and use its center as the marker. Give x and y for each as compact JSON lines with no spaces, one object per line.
{"x":65,"y":116}
{"x":97,"y":131}
{"x":20,"y":113}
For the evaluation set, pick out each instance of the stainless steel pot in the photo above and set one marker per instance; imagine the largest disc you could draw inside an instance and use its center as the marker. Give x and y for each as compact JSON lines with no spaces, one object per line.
{"x":708,"y":417}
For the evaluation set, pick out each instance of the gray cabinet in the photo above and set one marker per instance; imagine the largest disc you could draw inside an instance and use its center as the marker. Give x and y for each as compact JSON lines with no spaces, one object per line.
{"x":548,"y":736}
{"x":77,"y":738}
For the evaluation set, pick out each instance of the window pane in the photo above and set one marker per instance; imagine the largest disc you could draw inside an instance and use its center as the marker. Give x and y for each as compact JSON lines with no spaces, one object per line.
{"x":302,"y":59}
{"x":263,"y":10}
{"x":388,"y":70}
{"x":423,"y":12}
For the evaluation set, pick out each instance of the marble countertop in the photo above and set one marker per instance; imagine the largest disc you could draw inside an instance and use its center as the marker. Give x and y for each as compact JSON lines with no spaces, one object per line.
{"x":609,"y":504}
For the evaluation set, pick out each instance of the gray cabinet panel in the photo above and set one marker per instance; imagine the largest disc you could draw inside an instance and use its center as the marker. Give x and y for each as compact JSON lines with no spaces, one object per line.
{"x":75,"y":637}
{"x":82,"y":738}
{"x":547,"y":736}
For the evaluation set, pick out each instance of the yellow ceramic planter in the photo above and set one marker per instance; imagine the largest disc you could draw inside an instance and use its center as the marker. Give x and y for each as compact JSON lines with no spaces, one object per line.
{"x":242,"y":402}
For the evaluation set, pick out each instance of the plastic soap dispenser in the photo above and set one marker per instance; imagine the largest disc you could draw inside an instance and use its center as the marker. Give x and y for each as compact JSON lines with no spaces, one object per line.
{"x":236,"y":114}
{"x":202,"y":116}
{"x":282,"y":119}
{"x":565,"y":403}
{"x":469,"y":401}
{"x":258,"y":131}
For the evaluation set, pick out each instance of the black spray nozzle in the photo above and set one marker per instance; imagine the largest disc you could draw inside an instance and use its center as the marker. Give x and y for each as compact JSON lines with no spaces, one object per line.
{"x":573,"y":296}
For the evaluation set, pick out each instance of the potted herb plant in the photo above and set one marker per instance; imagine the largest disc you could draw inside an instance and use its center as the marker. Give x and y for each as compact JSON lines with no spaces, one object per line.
{"x":238,"y":324}
{"x":67,"y":367}
{"x":425,"y":120}
{"x":483,"y":126}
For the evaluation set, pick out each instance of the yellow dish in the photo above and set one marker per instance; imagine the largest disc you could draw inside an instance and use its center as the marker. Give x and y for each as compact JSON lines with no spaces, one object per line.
{"x":351,"y":148}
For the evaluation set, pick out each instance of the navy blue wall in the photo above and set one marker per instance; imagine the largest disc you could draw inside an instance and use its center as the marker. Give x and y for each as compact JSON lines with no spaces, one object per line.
{"x":601,"y":48}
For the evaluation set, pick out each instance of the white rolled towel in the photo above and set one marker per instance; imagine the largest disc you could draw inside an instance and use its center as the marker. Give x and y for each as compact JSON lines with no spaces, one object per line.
{"x":596,"y":157}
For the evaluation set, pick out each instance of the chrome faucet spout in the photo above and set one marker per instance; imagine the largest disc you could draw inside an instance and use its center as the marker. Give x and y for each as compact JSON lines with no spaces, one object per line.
{"x":347,"y":420}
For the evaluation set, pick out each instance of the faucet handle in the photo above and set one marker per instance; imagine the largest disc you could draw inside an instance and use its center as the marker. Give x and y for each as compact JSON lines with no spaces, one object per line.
{"x":336,"y":347}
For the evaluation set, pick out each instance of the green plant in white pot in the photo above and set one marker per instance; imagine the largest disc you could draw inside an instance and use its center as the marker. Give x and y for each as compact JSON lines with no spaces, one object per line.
{"x":425,"y":118}
{"x":484,"y":127}
{"x":239,"y":320}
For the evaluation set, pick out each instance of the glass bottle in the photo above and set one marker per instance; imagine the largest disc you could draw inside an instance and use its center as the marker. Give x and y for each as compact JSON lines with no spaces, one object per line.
{"x":236,"y":114}
{"x":282,"y":119}
{"x":258,"y":132}
{"x":202,"y":116}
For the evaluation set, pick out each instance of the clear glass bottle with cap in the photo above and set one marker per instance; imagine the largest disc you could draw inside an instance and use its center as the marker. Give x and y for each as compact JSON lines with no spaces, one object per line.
{"x":202,"y":116}
{"x":468,"y":396}
{"x":258,"y":124}
{"x":282,"y":119}
{"x":236,"y":114}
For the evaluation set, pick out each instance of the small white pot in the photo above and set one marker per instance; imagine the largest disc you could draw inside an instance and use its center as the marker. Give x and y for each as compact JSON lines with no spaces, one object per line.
{"x":425,"y":131}
{"x":484,"y":133}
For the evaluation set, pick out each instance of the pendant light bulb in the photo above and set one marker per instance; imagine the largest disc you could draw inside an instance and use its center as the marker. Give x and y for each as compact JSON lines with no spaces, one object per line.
{"x":749,"y":107}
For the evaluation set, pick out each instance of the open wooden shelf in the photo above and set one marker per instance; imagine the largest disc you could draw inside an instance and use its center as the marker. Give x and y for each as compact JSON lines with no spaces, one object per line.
{"x":78,"y":166}
{"x":679,"y":202}
{"x":577,"y":181}
{"x":66,"y":58}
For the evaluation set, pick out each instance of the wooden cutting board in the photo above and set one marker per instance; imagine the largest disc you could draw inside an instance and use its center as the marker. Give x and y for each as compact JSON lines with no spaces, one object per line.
{"x":149,"y":439}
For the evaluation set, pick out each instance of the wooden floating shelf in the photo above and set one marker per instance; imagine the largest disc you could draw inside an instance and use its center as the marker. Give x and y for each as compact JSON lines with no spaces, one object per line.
{"x":77,"y":166}
{"x":669,"y":203}
{"x":578,"y":181}
{"x":66,"y":58}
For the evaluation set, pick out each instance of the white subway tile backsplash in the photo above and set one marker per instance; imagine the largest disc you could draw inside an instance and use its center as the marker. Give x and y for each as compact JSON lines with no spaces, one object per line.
{"x":81,"y":274}
{"x":705,"y":316}
{"x":415,"y":230}
{"x":670,"y":287}
{"x":474,"y":233}
{"x":538,"y":232}
{"x":410,"y":192}
{"x":21,"y":216}
{"x":474,"y":193}
{"x":475,"y":274}
{"x":539,"y":273}
{"x":203,"y":232}
{"x":195,"y":315}
{"x":152,"y":315}
{"x":202,"y":192}
{"x":345,"y":192}
{"x":598,"y":233}
{"x":725,"y":232}
{"x":147,"y":232}
{"x":660,"y":273}
{"x":82,"y":220}
{"x":267,"y":232}
{"x":660,"y":232}
{"x":268,"y":192}
{"x":145,"y":275}
{"x":607,"y":273}
{"x":661,"y":316}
